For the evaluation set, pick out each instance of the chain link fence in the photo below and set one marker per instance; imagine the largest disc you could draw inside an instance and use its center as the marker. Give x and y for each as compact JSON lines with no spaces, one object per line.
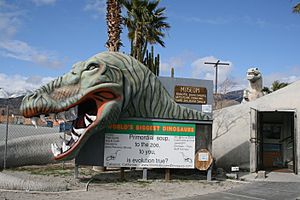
{"x":21,"y":143}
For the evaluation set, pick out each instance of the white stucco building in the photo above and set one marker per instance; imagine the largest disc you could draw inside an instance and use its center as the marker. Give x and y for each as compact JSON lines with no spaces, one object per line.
{"x":262,"y":134}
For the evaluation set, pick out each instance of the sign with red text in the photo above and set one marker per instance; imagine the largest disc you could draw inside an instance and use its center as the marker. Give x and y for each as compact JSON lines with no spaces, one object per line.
{"x":150,"y":145}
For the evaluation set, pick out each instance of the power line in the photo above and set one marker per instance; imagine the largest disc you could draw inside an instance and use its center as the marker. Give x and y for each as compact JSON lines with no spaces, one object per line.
{"x":216,"y":65}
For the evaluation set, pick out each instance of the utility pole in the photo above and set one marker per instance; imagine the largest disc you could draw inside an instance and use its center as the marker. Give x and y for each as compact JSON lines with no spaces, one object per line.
{"x":216,"y":65}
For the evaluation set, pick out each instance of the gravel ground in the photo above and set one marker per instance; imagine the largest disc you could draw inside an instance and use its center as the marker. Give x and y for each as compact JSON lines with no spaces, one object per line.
{"x":107,"y":185}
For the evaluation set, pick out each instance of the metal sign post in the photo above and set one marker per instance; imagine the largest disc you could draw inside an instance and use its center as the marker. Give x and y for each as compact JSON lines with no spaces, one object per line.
{"x":6,"y":137}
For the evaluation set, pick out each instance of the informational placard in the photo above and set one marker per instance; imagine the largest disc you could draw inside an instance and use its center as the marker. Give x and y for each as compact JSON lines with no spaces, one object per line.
{"x":190,"y":95}
{"x":203,"y":156}
{"x":150,"y":145}
{"x":203,"y":159}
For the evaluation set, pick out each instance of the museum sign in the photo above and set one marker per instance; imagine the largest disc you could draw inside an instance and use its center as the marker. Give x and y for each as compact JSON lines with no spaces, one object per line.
{"x":190,"y":95}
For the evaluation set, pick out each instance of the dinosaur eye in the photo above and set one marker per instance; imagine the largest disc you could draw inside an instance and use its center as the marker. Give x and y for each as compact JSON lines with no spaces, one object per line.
{"x":92,"y":66}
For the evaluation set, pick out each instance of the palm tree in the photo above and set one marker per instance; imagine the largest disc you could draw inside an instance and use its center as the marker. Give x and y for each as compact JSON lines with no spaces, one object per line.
{"x":146,"y":24}
{"x":113,"y":20}
{"x":276,"y":85}
{"x":266,"y":90}
{"x":297,"y":8}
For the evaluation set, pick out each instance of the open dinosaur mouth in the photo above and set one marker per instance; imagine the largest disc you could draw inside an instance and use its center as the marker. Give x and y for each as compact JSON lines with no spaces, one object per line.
{"x":86,"y":118}
{"x":253,"y":73}
{"x":89,"y":113}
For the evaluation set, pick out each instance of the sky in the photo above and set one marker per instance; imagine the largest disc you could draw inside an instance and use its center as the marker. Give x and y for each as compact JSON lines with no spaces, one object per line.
{"x":42,"y":39}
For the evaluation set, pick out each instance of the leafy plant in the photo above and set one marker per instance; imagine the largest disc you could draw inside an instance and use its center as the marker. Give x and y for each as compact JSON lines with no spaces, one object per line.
{"x":146,"y":24}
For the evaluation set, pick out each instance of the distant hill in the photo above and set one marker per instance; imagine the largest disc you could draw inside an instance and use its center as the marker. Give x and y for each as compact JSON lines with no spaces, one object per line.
{"x":3,"y":93}
{"x":228,"y":99}
{"x":13,"y":103}
{"x":234,"y":95}
{"x":6,"y":94}
{"x":12,"y":99}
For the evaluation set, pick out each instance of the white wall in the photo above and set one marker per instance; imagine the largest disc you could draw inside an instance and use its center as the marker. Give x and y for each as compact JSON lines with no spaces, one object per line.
{"x":232,"y":125}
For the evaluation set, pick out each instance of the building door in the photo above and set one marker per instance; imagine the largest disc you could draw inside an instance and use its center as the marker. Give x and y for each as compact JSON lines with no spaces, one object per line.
{"x":255,"y":141}
{"x":276,"y":133}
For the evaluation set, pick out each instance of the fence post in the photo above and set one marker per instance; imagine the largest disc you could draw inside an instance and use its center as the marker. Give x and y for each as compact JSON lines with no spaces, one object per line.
{"x":6,"y":137}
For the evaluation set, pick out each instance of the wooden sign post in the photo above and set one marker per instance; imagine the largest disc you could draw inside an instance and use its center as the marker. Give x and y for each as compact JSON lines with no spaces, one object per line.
{"x":203,"y":162}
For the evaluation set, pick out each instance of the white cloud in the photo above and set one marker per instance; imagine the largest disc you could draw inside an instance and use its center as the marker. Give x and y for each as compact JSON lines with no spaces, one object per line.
{"x":174,"y":62}
{"x":43,"y":2}
{"x":180,"y":64}
{"x":197,"y":69}
{"x":9,"y":19}
{"x":204,"y":71}
{"x":98,"y":7}
{"x":20,"y":84}
{"x":22,"y":51}
{"x":287,"y":77}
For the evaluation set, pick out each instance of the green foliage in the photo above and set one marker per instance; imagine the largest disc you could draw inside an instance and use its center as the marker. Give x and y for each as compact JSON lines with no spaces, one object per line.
{"x":146,"y":24}
{"x":266,"y":90}
{"x":276,"y":85}
{"x":296,"y":8}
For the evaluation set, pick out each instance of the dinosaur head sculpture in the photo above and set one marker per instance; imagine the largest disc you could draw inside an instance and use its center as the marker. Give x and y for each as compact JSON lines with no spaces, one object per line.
{"x":255,"y":85}
{"x":91,"y":86}
{"x":253,"y":74}
{"x":103,"y":88}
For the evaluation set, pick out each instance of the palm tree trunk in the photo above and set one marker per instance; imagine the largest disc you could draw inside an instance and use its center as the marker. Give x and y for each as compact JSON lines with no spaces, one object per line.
{"x":114,"y":20}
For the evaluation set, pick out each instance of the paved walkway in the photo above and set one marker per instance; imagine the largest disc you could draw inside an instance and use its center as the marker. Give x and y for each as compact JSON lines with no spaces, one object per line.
{"x":277,"y":186}
{"x":273,"y":177}
{"x":256,"y":191}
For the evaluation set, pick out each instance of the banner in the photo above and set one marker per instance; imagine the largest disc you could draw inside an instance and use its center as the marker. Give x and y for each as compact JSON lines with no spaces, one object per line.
{"x":150,"y":145}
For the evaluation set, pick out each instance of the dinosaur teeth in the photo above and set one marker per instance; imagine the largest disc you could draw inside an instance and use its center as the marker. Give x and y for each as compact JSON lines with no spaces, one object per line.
{"x":55,"y":149}
{"x":68,"y":137}
{"x":75,"y":137}
{"x":91,"y":117}
{"x":87,"y":121}
{"x":65,"y":147}
{"x":78,"y":131}
{"x":34,"y":121}
{"x":55,"y":145}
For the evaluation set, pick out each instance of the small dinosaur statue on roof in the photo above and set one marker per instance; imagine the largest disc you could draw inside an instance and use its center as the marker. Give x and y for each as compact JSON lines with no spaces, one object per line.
{"x":255,"y":85}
